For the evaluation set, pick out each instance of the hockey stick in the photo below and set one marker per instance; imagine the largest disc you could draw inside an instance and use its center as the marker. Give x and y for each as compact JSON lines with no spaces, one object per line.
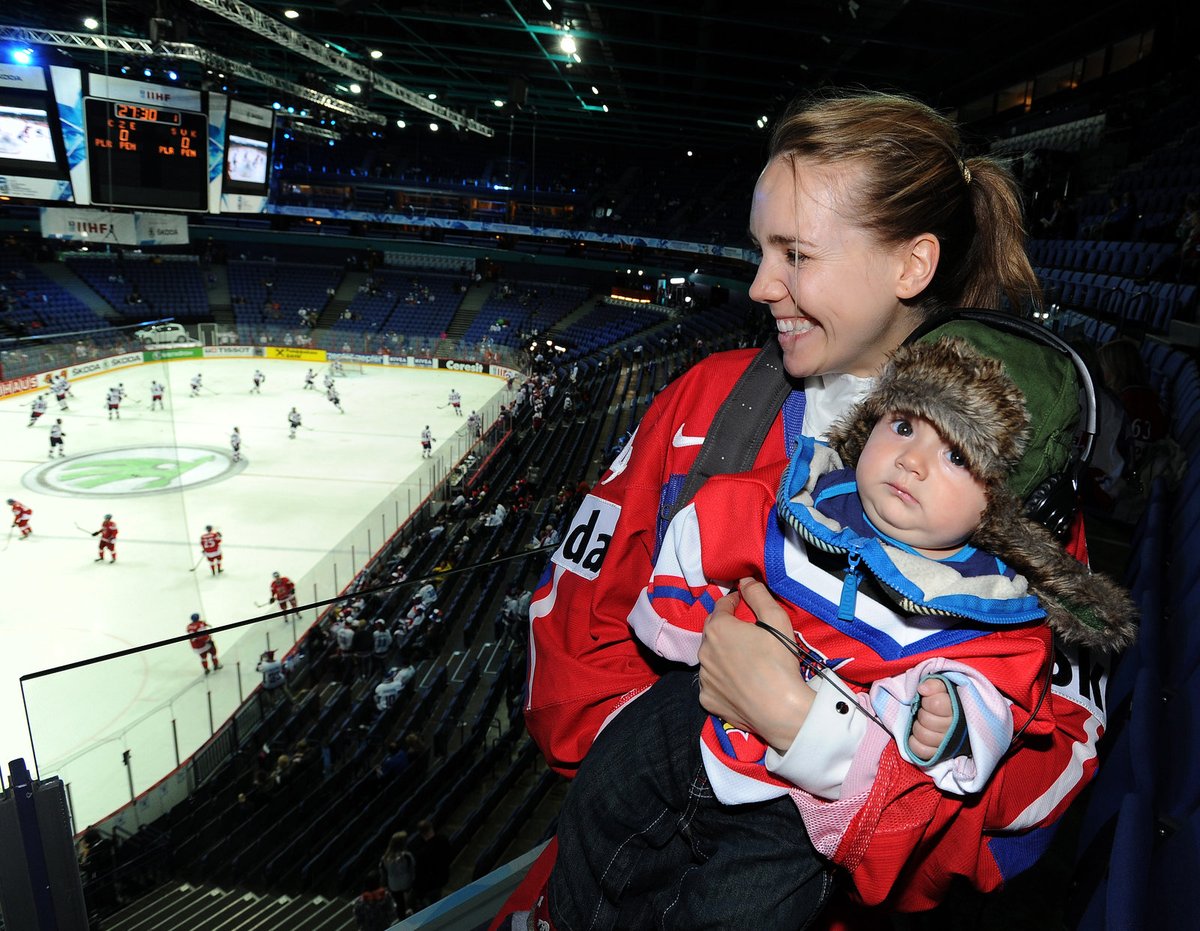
{"x":209,"y":390}
{"x":263,"y":604}
{"x":198,"y":561}
{"x":90,"y":533}
{"x":8,"y":539}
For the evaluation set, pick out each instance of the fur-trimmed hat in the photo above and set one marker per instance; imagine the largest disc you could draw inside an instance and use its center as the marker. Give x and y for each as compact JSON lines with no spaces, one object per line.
{"x":978,"y":408}
{"x":967,"y":396}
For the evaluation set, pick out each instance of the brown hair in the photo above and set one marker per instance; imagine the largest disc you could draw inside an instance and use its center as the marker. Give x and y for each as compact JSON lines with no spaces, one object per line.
{"x":1121,"y":364}
{"x":915,"y":180}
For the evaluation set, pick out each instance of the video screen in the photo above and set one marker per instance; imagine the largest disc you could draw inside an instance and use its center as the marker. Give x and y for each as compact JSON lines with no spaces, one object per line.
{"x":246,"y":160}
{"x":25,"y":135}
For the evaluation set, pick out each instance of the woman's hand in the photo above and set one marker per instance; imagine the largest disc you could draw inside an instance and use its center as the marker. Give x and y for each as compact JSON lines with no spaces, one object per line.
{"x":747,"y":678}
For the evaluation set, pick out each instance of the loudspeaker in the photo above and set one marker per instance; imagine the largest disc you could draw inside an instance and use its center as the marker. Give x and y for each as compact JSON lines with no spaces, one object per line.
{"x":518,"y":90}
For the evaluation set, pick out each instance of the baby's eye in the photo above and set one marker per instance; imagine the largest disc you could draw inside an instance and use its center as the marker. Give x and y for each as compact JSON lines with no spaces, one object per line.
{"x":956,"y":458}
{"x":902,"y":427}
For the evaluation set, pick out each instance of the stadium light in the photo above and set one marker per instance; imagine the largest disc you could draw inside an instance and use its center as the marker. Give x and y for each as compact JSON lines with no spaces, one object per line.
{"x":400,"y":124}
{"x":376,"y":54}
{"x":91,"y":22}
{"x":21,"y":56}
{"x":567,"y":44}
{"x":497,"y":102}
{"x":433,"y":127}
{"x":356,"y":88}
{"x":291,"y":14}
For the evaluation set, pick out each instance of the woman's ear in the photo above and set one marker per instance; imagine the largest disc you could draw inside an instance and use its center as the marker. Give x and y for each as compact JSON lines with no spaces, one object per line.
{"x":920,"y":260}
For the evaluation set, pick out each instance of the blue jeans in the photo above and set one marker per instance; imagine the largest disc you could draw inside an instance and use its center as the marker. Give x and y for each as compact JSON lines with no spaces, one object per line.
{"x":643,"y":842}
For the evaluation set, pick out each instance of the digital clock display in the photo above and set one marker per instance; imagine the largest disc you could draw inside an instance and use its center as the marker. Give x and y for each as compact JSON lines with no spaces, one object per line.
{"x":133,"y":111}
{"x":146,"y":156}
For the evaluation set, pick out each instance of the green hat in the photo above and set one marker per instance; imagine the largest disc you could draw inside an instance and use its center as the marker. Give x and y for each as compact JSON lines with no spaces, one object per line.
{"x":1048,"y":380}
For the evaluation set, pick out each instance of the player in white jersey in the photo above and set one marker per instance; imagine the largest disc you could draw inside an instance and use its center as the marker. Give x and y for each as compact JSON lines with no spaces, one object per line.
{"x":259,"y":378}
{"x":61,"y":388}
{"x":114,"y":402}
{"x":121,"y":390}
{"x":293,"y":423}
{"x":427,"y":442}
{"x":336,"y":401}
{"x":475,"y":425}
{"x":56,"y":438}
{"x":387,"y":691}
{"x":156,"y":394}
{"x":309,"y":379}
{"x":36,"y":409}
{"x":456,"y":401}
{"x":235,"y":443}
{"x":328,"y":380}
{"x":336,"y":368}
{"x":196,"y":385}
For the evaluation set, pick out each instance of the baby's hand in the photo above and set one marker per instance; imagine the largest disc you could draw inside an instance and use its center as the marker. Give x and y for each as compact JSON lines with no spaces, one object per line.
{"x":933,"y":719}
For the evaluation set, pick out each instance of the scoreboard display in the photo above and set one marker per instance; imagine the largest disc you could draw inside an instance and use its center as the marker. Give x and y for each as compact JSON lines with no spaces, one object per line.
{"x":142,"y":155}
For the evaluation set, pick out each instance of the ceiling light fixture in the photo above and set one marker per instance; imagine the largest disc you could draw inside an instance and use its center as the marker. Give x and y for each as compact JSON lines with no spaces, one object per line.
{"x":91,"y":22}
{"x":376,"y":54}
{"x":291,"y":14}
{"x":567,"y":44}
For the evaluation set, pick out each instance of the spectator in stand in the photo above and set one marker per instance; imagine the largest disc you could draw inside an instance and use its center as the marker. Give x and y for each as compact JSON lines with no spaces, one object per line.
{"x":374,"y":910}
{"x":433,"y":853}
{"x":399,"y":869}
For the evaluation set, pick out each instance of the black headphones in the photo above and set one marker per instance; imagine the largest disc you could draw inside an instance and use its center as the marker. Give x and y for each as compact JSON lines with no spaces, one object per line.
{"x":1055,"y":501}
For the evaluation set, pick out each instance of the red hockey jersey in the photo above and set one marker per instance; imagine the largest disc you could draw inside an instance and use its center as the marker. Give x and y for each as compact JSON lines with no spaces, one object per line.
{"x":584,"y":665}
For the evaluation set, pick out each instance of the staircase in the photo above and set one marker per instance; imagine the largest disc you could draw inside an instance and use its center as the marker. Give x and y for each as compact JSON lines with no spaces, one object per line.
{"x":470,"y":306}
{"x":183,"y":907}
{"x":341,"y":298}
{"x":60,"y":273}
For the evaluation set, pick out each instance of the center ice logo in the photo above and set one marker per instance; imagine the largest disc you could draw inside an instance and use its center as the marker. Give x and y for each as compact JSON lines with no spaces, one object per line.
{"x":135,"y":470}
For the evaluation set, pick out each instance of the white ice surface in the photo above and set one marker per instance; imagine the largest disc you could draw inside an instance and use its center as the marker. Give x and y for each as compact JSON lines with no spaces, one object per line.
{"x":294,"y":503}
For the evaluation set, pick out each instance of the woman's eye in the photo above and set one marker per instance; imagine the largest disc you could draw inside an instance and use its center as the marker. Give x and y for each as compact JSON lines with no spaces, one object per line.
{"x":956,"y":458}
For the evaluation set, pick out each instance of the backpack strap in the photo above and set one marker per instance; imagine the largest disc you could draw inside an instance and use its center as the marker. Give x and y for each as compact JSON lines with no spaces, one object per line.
{"x":741,"y":425}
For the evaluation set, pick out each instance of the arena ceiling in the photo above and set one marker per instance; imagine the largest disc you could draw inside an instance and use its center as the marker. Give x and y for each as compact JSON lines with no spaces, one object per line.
{"x":671,"y":74}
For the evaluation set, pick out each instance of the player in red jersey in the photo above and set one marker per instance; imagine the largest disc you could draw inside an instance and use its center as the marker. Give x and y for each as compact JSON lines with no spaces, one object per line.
{"x":283,"y":591}
{"x":202,"y":643}
{"x":108,"y":538}
{"x":210,"y":543}
{"x":21,"y":515}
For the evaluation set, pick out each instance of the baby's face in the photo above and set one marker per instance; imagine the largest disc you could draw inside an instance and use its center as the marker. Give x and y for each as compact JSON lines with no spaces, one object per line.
{"x":917,"y":488}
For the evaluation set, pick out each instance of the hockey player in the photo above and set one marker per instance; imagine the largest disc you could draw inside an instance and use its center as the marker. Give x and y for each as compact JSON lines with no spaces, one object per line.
{"x":202,"y":644}
{"x":336,"y":401}
{"x":114,"y":402}
{"x":336,"y":368}
{"x":36,"y":409}
{"x":328,"y":380}
{"x":293,"y":423}
{"x":210,"y":544}
{"x":56,"y":438}
{"x":427,"y":442}
{"x":21,"y":515}
{"x":508,"y":381}
{"x":235,"y":443}
{"x":259,"y":378}
{"x":475,"y":425}
{"x":309,"y":379}
{"x":272,"y":671}
{"x":60,"y":386}
{"x":156,"y":394}
{"x":387,"y":691}
{"x":108,"y":538}
{"x":284,"y":592}
{"x":196,"y":385}
{"x":456,"y":401}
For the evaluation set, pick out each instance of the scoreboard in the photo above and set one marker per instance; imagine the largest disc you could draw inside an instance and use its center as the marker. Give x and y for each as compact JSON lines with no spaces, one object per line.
{"x":143,"y":155}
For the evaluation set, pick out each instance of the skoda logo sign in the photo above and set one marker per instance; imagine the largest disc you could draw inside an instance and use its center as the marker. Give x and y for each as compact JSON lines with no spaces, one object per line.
{"x":133,"y":470}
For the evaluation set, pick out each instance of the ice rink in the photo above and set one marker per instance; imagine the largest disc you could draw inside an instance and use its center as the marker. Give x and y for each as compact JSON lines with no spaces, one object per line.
{"x":312,"y":508}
